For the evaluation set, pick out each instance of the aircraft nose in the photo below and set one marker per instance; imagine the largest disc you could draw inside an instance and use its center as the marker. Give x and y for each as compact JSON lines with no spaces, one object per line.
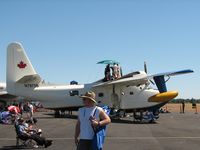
{"x":163,"y":97}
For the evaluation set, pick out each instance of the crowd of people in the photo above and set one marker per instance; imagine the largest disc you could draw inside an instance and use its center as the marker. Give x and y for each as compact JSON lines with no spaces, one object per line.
{"x":9,"y":113}
{"x":91,"y":118}
{"x":26,"y":130}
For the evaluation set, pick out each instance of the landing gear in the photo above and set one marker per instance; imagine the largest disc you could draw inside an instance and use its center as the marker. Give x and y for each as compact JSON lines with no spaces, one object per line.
{"x":57,"y":114}
{"x":115,"y":113}
{"x":122,"y":113}
{"x":137,"y":116}
{"x":145,"y":116}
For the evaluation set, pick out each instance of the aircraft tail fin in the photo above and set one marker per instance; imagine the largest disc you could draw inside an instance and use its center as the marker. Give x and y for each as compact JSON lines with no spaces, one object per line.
{"x":19,"y":67}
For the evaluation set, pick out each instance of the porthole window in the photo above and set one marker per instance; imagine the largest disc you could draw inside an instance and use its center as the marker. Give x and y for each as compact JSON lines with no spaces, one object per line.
{"x":101,"y":95}
{"x":73,"y":93}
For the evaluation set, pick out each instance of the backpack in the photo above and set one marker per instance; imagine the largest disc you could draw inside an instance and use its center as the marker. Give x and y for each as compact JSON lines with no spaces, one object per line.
{"x":100,"y":133}
{"x":26,"y":108}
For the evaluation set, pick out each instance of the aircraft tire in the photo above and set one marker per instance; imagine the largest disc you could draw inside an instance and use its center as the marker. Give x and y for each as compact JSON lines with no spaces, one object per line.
{"x":57,"y":114}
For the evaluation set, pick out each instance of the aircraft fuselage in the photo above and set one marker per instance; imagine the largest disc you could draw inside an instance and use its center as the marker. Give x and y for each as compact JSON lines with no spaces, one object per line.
{"x":68,"y":95}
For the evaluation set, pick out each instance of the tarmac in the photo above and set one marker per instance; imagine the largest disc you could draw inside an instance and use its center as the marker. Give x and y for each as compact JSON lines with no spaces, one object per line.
{"x":172,"y":131}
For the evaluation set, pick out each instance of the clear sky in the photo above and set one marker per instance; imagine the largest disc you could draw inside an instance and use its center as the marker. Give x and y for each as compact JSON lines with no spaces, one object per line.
{"x":64,"y":39}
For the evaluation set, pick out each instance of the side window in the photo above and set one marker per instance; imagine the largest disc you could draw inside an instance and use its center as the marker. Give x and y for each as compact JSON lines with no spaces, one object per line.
{"x":73,"y":82}
{"x":101,"y":95}
{"x":73,"y":93}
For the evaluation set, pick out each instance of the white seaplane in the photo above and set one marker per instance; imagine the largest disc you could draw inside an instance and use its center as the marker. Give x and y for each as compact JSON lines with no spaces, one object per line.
{"x":129,"y":93}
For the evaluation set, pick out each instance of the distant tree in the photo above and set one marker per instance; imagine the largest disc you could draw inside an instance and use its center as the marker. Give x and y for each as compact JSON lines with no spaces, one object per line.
{"x":179,"y":100}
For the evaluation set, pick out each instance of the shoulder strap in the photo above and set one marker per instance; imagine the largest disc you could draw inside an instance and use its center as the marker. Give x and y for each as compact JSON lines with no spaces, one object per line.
{"x":94,"y":111}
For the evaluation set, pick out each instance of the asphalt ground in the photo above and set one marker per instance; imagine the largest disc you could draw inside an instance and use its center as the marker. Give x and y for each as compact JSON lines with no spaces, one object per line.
{"x":173,"y":131}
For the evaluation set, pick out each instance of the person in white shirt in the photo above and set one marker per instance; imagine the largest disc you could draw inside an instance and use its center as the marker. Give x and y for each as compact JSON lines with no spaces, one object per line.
{"x":89,"y":117}
{"x":119,"y":71}
{"x":30,"y":111}
{"x":114,"y":71}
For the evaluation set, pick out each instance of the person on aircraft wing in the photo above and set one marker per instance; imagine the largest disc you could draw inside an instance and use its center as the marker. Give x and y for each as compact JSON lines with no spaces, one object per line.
{"x":119,"y":71}
{"x":114,"y":71}
{"x":107,"y":73}
{"x":89,"y":117}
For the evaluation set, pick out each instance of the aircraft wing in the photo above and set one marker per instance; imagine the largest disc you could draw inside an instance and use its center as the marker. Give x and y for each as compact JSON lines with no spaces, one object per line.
{"x":134,"y":79}
{"x":160,"y":81}
{"x":30,"y":79}
{"x":5,"y":95}
{"x":173,"y":73}
{"x":129,"y":81}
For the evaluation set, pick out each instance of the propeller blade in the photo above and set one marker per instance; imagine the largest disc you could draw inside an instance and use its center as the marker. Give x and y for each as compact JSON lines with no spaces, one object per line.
{"x":145,"y":67}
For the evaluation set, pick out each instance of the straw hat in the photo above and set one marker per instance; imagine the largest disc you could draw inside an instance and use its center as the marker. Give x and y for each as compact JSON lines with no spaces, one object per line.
{"x":89,"y":95}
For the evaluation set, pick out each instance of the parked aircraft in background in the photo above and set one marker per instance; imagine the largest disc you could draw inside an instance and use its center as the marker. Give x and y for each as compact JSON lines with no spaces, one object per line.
{"x":6,"y":98}
{"x":3,"y":93}
{"x":129,"y":93}
{"x":3,"y":88}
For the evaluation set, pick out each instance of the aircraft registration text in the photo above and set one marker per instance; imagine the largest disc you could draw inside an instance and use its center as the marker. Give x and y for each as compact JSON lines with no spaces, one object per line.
{"x":31,"y":85}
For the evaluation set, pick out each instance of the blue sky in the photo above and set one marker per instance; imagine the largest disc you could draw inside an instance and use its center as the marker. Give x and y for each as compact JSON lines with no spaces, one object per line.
{"x":64,"y":38}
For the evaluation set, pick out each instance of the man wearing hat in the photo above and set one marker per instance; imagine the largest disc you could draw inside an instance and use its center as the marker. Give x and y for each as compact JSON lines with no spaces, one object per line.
{"x":90,"y":116}
{"x":24,"y":134}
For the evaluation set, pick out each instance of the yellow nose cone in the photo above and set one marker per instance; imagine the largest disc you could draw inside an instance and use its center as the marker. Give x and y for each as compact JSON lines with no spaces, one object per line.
{"x":163,"y":97}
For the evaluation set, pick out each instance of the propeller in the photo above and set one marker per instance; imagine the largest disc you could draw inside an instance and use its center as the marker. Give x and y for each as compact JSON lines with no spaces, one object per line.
{"x":145,"y":67}
{"x":145,"y":70}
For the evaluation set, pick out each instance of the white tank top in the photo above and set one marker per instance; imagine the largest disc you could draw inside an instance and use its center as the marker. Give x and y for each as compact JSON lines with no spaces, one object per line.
{"x":84,"y":114}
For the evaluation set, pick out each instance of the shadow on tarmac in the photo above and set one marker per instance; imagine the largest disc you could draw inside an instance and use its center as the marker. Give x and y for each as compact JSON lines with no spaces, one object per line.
{"x":14,"y":147}
{"x":114,"y":120}
{"x":52,"y":116}
{"x":131,"y":121}
{"x":62,"y":116}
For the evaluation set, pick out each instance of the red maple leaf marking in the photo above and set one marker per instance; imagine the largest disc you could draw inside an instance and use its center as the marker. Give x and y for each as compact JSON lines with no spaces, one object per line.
{"x":21,"y":65}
